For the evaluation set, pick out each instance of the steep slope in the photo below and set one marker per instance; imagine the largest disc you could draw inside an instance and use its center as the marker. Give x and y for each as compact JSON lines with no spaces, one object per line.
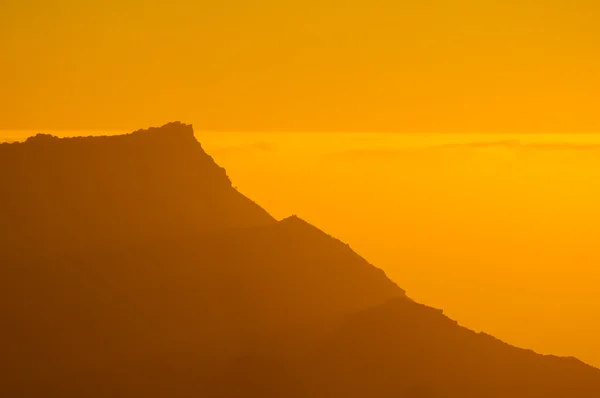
{"x":192,"y":305}
{"x":405,"y":349}
{"x":304,"y":276}
{"x":83,"y":192}
{"x":172,"y":292}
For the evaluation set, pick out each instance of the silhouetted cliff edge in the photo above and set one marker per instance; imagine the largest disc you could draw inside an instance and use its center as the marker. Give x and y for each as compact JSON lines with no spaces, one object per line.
{"x":86,"y":191}
{"x":130,"y":267}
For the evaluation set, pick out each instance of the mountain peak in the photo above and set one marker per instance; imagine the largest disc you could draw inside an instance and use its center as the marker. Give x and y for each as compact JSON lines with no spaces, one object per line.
{"x":295,"y":220}
{"x":40,"y":137}
{"x":150,"y":184}
{"x":170,"y":131}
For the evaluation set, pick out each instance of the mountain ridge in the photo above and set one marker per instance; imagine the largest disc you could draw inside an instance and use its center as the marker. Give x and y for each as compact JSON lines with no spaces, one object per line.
{"x":154,"y":182}
{"x":173,"y":284}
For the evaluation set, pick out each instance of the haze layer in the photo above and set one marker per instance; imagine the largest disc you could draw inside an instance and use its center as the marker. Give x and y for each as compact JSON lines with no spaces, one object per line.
{"x":319,"y":65}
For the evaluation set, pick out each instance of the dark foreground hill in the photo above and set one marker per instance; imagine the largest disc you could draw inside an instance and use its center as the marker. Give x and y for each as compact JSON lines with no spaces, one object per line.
{"x":130,"y":267}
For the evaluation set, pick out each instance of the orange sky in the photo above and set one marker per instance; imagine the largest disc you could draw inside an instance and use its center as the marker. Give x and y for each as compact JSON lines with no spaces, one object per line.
{"x":440,"y":65}
{"x":500,"y":234}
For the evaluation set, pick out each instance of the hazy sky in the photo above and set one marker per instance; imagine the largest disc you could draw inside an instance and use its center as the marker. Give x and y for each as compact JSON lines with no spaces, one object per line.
{"x":437,"y":65}
{"x":499,"y":232}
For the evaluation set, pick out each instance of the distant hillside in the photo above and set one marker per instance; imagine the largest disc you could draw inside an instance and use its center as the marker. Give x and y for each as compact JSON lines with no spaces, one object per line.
{"x":410,"y":350}
{"x":130,"y":267}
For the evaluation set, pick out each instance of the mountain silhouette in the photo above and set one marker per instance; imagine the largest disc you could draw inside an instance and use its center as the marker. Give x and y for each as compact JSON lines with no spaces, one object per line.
{"x":87,"y":192}
{"x":410,"y":350}
{"x":132,"y":268}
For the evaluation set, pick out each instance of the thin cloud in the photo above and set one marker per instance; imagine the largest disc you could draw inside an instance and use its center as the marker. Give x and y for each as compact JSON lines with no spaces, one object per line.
{"x":516,"y":144}
{"x":501,"y":144}
{"x":260,"y":146}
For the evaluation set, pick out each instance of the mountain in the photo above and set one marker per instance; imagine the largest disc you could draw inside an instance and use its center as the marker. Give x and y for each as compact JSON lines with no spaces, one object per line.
{"x":86,"y":192}
{"x":132,"y":268}
{"x":123,"y":254}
